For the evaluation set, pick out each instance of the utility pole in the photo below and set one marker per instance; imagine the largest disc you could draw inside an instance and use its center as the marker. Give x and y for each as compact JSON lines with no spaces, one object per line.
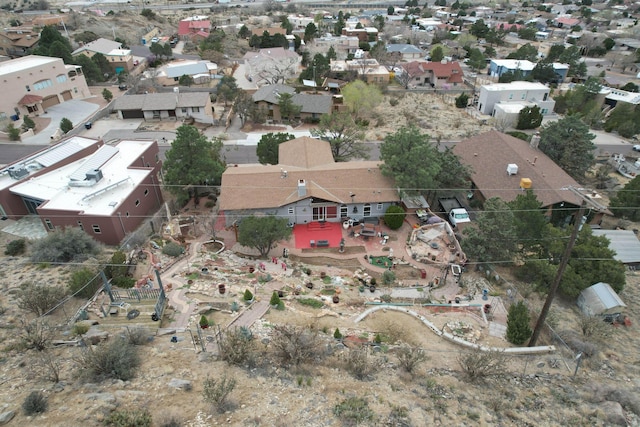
{"x":556,"y":281}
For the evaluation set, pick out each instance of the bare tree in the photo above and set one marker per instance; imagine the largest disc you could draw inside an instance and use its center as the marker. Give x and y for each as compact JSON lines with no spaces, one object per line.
{"x":410,"y":357}
{"x":35,"y":334}
{"x":274,"y":72}
{"x":294,"y":345}
{"x":39,"y":299}
{"x":242,"y":105}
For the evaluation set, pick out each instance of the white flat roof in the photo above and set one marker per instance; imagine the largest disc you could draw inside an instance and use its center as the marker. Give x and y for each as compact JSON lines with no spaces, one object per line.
{"x":515,"y":64}
{"x":102,"y":198}
{"x":512,"y":107}
{"x":26,"y":62}
{"x":45,"y":158}
{"x":515,"y":86}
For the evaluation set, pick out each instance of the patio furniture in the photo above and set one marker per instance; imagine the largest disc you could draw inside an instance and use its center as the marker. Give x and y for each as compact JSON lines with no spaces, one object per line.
{"x":323,"y":243}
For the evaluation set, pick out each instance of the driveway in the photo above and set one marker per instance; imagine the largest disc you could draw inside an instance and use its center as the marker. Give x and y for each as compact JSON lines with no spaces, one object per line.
{"x":75,"y":110}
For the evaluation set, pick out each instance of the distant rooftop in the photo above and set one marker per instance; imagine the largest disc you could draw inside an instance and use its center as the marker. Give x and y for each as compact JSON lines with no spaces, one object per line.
{"x":19,"y":64}
{"x":515,"y":86}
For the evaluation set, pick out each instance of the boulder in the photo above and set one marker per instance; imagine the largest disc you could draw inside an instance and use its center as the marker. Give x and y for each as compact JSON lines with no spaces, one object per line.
{"x":7,"y":416}
{"x":180,"y":384}
{"x":95,"y":336}
{"x":614,"y":413}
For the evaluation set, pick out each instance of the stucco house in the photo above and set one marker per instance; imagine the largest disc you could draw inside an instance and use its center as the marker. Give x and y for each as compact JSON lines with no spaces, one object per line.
{"x":505,"y":100}
{"x":200,"y":71}
{"x":312,"y":106}
{"x":272,"y":65}
{"x":306,"y":186}
{"x":163,"y":106}
{"x":120,"y":60}
{"x":504,"y":166}
{"x":405,"y":52}
{"x":434,"y":74}
{"x":105,"y":190}
{"x":32,"y":84}
{"x":368,"y":70}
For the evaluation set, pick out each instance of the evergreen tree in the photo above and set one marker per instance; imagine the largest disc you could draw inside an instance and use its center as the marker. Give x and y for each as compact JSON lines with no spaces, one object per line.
{"x":65,"y":125}
{"x":518,"y":329}
{"x":275,"y":299}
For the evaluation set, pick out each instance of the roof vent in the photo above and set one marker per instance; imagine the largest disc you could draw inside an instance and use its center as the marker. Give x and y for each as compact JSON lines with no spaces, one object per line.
{"x":512,"y":169}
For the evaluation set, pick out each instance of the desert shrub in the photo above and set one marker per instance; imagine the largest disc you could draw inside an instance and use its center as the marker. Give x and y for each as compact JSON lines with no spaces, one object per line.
{"x":311,"y":302}
{"x":388,"y":277}
{"x":172,"y":249}
{"x":237,"y":346}
{"x":462,"y":101}
{"x":575,"y":343}
{"x":480,"y":365}
{"x":209,"y":204}
{"x":39,"y":299}
{"x":360,"y":364}
{"x":520,"y":135}
{"x":137,"y":336}
{"x":394,"y":217}
{"x":84,"y":283}
{"x":518,"y":329}
{"x":169,"y":420}
{"x":117,"y":269}
{"x":354,"y":411}
{"x":129,"y":418}
{"x":35,"y":403}
{"x":116,"y":359}
{"x":28,"y":123}
{"x":35,"y":334}
{"x":64,"y":245}
{"x":216,"y":391}
{"x":337,"y":334}
{"x":48,"y":366}
{"x":294,"y":345}
{"x":80,"y":329}
{"x":593,"y":327}
{"x":16,"y":247}
{"x":410,"y":357}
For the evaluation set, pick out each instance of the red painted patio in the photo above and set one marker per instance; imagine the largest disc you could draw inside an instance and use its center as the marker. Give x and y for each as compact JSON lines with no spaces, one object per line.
{"x":315,"y":232}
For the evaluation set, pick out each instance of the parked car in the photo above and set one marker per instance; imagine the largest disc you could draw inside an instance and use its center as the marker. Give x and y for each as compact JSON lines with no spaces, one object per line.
{"x":636,"y":147}
{"x":123,"y":86}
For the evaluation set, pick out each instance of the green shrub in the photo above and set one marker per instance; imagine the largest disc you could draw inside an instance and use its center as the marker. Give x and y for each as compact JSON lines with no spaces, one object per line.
{"x":518,"y":328}
{"x":117,"y":359}
{"x":80,"y":329}
{"x":388,"y":277}
{"x":462,"y":101}
{"x":337,"y":334}
{"x":16,"y":247}
{"x":209,"y":204}
{"x":64,"y":245}
{"x":354,"y":410}
{"x":216,"y":391}
{"x":84,"y":283}
{"x":129,"y":418}
{"x":204,"y":322}
{"x":28,"y":123}
{"x":14,"y":132}
{"x":394,"y":217}
{"x":172,"y":249}
{"x":39,"y":299}
{"x":65,"y":125}
{"x":35,"y":403}
{"x":248,"y":296}
{"x":275,"y":299}
{"x":311,"y":302}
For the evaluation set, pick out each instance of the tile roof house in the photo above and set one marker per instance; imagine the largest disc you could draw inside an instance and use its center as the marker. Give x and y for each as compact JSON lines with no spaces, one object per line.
{"x":271,"y":65}
{"x":162,"y":106}
{"x":313,"y":105}
{"x":194,"y":26}
{"x":434,"y":74}
{"x":306,"y":186}
{"x":119,"y":59}
{"x":18,"y":41}
{"x":106,"y":190}
{"x":502,"y":166}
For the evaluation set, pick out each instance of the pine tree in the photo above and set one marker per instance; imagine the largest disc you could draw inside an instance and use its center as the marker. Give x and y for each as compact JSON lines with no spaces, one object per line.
{"x":337,"y":334}
{"x":518,"y":329}
{"x":275,"y":299}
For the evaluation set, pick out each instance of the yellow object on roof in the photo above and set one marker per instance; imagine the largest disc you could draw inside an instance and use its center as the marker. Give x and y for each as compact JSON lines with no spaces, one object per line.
{"x":525,"y":183}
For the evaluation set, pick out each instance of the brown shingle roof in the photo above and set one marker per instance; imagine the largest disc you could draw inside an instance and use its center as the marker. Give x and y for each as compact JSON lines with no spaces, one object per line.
{"x":305,"y":152}
{"x":264,"y":187}
{"x":490,"y":153}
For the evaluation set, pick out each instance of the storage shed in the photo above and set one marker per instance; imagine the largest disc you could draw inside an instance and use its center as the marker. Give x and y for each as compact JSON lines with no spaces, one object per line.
{"x":600,"y":299}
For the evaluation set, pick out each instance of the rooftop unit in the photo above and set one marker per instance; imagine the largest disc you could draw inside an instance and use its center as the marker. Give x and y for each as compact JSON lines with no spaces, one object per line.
{"x":512,"y":169}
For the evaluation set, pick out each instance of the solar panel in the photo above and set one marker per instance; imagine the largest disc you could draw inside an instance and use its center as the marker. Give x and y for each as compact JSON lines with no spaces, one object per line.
{"x":58,"y":153}
{"x":94,"y":162}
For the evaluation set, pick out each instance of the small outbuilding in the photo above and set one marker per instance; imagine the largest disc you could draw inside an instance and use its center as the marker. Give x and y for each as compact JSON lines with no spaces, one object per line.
{"x":600,"y":300}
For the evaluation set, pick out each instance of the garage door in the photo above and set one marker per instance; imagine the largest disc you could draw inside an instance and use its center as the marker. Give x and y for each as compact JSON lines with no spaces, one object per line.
{"x":50,"y":101}
{"x":132,"y":114}
{"x":66,"y":95}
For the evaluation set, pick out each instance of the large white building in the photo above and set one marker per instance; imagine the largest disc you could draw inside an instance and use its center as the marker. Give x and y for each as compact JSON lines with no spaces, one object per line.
{"x":507,"y":99}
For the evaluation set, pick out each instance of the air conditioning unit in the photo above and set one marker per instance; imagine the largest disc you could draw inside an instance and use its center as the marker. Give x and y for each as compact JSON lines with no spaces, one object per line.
{"x":512,"y":169}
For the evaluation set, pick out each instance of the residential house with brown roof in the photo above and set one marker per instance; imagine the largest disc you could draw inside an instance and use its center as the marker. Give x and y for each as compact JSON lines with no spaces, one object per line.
{"x":367,"y":69}
{"x":504,"y":166}
{"x":18,"y":41}
{"x":194,"y":28}
{"x":307,"y":185}
{"x":312,"y":106}
{"x":438,"y":75}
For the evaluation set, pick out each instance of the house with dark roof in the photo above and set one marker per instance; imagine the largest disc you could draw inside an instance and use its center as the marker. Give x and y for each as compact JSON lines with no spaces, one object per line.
{"x":312,"y":105}
{"x":504,"y":166}
{"x":18,"y":41}
{"x":306,"y":186}
{"x":163,"y":106}
{"x":405,"y":52}
{"x":430,"y":74}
